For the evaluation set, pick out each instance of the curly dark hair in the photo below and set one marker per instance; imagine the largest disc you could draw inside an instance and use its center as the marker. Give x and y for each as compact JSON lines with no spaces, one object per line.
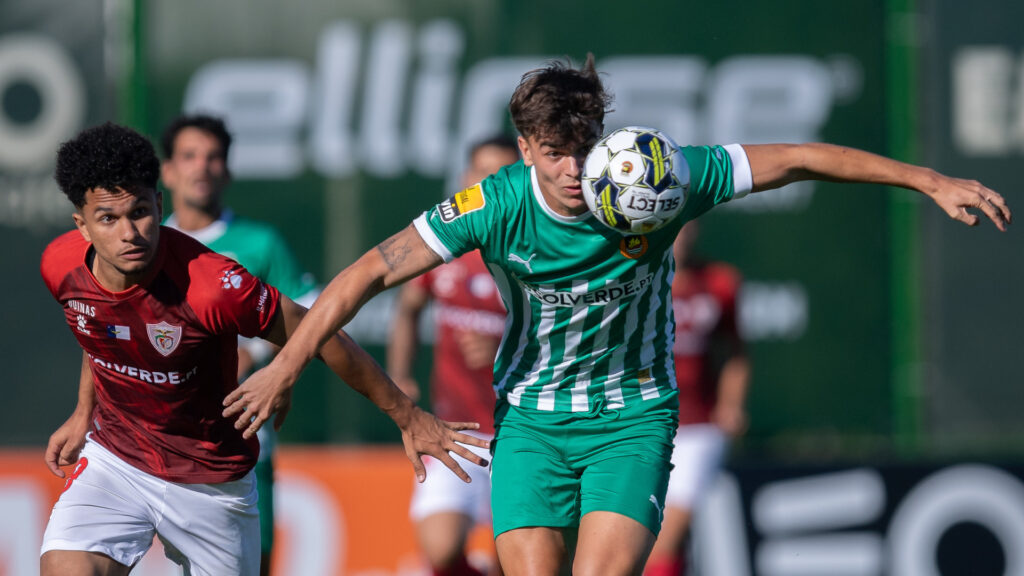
{"x":209,"y":124}
{"x":560,"y":103}
{"x":109,"y":157}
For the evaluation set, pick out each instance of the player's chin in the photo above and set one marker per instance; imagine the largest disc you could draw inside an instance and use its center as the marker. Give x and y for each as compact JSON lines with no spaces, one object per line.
{"x":575,"y":201}
{"x":135,"y":265}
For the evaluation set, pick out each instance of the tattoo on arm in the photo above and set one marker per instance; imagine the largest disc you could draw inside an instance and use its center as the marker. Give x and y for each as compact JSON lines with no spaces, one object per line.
{"x":394,"y":250}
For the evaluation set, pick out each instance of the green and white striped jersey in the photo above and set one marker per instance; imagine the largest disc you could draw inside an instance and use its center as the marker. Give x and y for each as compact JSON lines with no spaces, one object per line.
{"x":589,"y":310}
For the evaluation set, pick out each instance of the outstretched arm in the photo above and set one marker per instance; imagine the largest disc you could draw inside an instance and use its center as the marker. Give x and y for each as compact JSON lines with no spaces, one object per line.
{"x":302,"y":334}
{"x":775,"y":165}
{"x":392,"y":262}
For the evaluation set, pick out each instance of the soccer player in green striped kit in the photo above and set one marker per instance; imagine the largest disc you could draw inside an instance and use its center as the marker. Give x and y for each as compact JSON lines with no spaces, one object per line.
{"x":587,"y":406}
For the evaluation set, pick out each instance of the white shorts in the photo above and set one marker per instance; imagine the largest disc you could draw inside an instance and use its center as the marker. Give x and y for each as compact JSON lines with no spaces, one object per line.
{"x":115,"y":509}
{"x":697,"y":457}
{"x":443,"y":491}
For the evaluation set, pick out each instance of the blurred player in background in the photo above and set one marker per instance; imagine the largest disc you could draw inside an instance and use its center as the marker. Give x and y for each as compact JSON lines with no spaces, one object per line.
{"x":470,"y":320}
{"x":158,"y":316}
{"x":587,"y":406}
{"x":712,"y":374}
{"x":195,"y":171}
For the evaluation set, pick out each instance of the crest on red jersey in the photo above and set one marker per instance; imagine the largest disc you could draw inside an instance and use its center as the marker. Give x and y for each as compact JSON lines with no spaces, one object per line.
{"x":164,"y":337}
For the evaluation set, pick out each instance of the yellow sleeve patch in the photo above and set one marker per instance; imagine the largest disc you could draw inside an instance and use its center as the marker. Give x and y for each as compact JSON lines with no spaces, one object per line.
{"x":470,"y":199}
{"x":464,"y":202}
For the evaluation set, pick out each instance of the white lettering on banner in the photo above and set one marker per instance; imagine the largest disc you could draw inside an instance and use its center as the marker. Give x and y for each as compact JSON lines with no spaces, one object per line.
{"x":265,"y":103}
{"x":984,"y":495}
{"x":42,"y":65}
{"x":36,"y":64}
{"x":22,"y":507}
{"x":767,"y":311}
{"x":796,"y":515}
{"x":821,"y":542}
{"x":380,"y":141}
{"x":337,"y":70}
{"x":268,"y":103}
{"x":988,"y":101}
{"x":773,"y":311}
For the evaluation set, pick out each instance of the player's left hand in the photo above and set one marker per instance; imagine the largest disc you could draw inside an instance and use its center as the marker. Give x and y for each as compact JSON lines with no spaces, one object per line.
{"x":256,"y":400}
{"x":425,"y":434}
{"x":956,"y":196}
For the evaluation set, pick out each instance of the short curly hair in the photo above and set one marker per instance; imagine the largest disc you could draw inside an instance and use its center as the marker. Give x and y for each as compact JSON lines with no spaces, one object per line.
{"x":560,"y":103}
{"x":210,"y":124}
{"x":106,"y":156}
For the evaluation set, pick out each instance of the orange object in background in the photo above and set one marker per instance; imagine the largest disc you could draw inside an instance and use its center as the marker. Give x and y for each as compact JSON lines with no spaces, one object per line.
{"x":339,"y":511}
{"x":357,"y":499}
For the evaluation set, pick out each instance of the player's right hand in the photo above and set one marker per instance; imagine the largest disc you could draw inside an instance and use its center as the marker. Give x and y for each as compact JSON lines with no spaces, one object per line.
{"x":66,"y":443}
{"x":265,"y":394}
{"x":956,"y":196}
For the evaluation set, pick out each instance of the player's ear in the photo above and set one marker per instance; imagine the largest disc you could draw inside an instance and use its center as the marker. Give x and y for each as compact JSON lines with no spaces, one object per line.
{"x":524,"y":149}
{"x":159,"y":205}
{"x":80,"y":224}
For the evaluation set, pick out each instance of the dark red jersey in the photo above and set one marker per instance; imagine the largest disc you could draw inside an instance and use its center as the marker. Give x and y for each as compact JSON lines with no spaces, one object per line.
{"x":164,"y":354}
{"x":466,"y":299}
{"x":704,"y":303}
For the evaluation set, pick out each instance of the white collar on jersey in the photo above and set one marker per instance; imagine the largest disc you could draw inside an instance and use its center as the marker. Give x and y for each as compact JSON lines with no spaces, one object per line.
{"x":206,"y":235}
{"x":544,"y":203}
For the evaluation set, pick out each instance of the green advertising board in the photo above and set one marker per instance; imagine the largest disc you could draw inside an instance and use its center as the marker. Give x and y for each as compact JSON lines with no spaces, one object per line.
{"x":352,"y":118}
{"x":973,"y":279}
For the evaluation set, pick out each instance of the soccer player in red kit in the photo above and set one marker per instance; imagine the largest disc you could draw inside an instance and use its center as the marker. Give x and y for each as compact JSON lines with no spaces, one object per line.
{"x":712,"y":374}
{"x":158,"y":316}
{"x":470,"y":320}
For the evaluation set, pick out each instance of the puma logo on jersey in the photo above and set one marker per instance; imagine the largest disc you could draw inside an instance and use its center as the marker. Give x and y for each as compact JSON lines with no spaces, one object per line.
{"x":519,"y":260}
{"x":656,"y":505}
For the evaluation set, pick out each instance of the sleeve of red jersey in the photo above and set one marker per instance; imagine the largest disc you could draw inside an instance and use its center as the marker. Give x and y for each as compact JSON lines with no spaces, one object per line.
{"x":60,"y":257}
{"x":228,"y":299}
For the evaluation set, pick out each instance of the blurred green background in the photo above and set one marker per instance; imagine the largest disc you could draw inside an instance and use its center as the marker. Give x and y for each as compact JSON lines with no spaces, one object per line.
{"x":877,"y":326}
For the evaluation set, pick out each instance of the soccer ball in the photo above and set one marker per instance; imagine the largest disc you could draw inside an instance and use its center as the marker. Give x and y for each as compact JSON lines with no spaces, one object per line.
{"x":635,"y":180}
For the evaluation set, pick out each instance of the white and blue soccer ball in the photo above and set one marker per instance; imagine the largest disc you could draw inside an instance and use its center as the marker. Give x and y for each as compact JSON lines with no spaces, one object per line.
{"x":635,"y":180}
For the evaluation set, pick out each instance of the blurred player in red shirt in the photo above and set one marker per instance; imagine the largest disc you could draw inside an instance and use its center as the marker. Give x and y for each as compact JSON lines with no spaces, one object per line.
{"x":470,"y":320}
{"x":712,"y":373}
{"x":158,"y":316}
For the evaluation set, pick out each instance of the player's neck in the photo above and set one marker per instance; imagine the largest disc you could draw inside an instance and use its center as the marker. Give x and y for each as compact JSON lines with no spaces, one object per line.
{"x":191,"y":219}
{"x":113,"y":279}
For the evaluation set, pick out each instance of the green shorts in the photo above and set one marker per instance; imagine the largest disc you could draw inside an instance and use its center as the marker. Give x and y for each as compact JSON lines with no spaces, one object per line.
{"x":550,"y":469}
{"x":264,"y":470}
